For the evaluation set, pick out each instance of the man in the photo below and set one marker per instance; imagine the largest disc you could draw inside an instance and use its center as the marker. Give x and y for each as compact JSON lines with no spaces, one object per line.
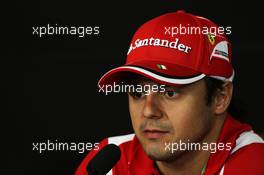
{"x":182,"y":127}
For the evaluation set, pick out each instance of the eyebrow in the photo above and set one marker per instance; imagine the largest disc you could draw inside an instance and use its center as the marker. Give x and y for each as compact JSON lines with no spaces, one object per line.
{"x":180,"y":87}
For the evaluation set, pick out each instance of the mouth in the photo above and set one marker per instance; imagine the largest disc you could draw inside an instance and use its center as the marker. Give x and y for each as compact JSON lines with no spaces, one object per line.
{"x":154,"y":133}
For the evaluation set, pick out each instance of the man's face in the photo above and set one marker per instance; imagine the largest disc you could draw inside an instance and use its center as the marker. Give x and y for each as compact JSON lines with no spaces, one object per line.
{"x":162,"y":118}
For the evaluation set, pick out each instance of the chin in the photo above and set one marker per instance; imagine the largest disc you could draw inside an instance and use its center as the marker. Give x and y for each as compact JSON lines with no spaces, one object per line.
{"x":158,"y":153}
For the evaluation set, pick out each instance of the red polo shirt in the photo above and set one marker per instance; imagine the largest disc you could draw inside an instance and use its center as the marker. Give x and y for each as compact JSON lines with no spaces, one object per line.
{"x":246,"y":156}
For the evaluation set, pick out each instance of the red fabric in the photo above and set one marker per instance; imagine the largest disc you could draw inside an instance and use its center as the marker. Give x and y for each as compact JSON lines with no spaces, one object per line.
{"x":247,"y":161}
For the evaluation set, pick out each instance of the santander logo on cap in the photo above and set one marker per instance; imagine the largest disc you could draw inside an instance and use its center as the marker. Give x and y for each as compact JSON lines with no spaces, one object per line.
{"x":157,"y":42}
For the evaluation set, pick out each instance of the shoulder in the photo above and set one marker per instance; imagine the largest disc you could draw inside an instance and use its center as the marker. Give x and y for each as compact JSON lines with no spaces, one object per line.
{"x":247,"y":157}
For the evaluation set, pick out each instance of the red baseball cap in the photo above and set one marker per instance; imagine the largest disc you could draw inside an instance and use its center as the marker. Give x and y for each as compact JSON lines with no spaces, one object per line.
{"x":176,"y":48}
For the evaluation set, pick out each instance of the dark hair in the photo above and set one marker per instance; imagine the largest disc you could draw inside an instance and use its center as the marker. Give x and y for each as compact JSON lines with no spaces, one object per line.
{"x":212,"y":86}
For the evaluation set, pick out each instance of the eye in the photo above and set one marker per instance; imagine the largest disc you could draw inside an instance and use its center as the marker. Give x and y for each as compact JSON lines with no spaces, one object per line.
{"x":171,"y":93}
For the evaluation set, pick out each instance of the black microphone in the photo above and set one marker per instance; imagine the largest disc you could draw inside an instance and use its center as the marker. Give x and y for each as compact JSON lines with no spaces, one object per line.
{"x":104,"y":160}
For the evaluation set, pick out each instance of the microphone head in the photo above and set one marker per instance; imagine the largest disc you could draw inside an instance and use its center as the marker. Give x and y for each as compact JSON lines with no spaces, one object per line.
{"x":104,"y":160}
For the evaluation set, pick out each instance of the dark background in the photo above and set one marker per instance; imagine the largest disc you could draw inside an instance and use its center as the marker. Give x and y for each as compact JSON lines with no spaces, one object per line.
{"x":52,"y":80}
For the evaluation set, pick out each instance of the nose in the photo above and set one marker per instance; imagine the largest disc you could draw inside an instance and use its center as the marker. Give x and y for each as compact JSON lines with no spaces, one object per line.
{"x":152,"y":109}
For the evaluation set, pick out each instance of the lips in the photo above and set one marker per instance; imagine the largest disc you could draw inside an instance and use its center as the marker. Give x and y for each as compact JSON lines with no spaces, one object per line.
{"x":154,"y":133}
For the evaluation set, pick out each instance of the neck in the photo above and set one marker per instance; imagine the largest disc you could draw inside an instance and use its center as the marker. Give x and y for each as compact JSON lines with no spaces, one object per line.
{"x":192,"y":162}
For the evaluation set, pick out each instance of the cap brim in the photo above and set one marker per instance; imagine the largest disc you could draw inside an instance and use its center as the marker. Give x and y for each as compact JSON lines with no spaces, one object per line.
{"x":119,"y":74}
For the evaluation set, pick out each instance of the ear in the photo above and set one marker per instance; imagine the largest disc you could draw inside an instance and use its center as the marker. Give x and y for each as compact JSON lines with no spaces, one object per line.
{"x":223,"y":98}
